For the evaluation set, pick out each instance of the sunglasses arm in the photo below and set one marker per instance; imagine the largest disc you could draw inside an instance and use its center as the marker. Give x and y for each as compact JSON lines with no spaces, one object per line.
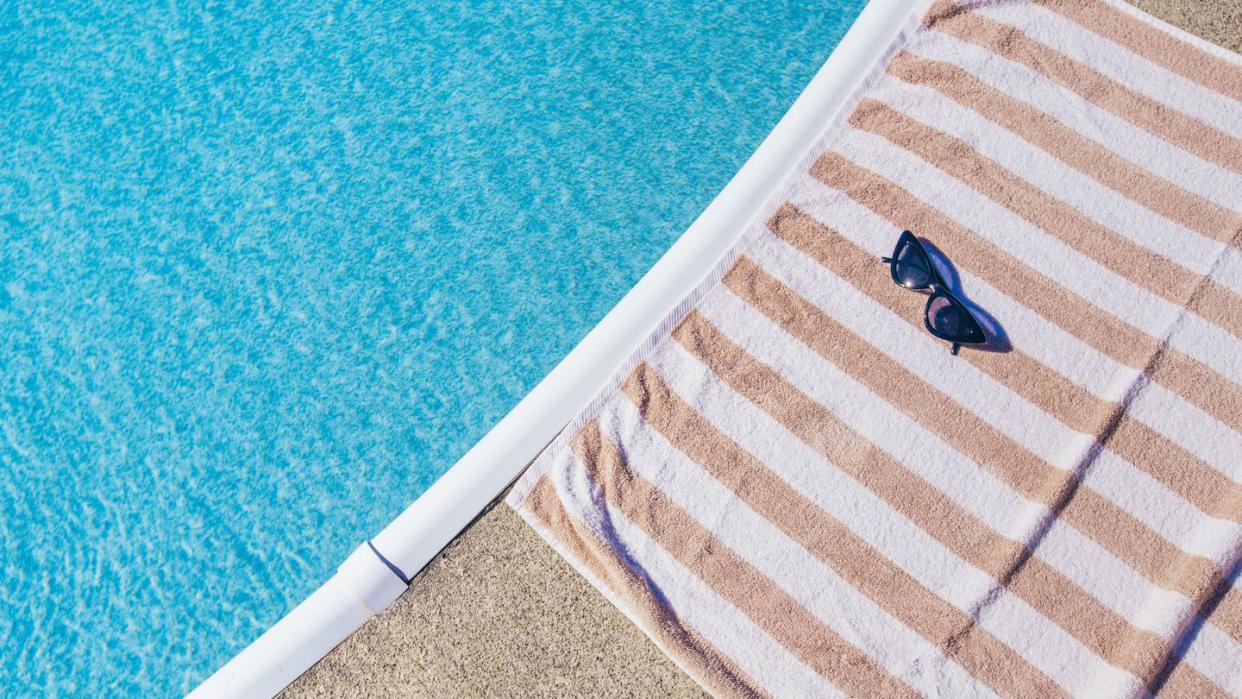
{"x":886,"y":260}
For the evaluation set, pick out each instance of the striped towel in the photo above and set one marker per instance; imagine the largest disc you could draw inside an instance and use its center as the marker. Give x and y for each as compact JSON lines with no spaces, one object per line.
{"x":796,"y":491}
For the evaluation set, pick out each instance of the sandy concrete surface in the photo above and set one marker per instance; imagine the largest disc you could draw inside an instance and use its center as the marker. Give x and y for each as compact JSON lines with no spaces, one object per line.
{"x":499,"y":614}
{"x":1218,"y":21}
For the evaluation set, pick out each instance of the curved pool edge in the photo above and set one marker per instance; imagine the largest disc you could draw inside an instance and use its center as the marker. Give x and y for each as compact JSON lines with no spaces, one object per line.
{"x":378,"y":571}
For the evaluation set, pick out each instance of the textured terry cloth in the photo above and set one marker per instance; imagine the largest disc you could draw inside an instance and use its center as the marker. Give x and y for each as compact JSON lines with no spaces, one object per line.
{"x":796,"y":491}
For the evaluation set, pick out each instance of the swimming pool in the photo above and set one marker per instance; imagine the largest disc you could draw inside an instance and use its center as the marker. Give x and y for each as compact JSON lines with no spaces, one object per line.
{"x":266,"y":273}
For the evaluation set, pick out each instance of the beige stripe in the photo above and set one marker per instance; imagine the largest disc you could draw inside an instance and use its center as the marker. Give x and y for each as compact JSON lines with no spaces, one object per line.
{"x":1081,"y":153}
{"x":703,"y":661}
{"x":1180,"y":129}
{"x":1181,"y":680}
{"x":1228,"y":613}
{"x":1198,"y":384}
{"x":1219,"y":304}
{"x":1200,"y":484}
{"x":866,"y":569}
{"x":753,"y":593}
{"x":1180,"y":471}
{"x":1118,"y":253}
{"x":1105,"y":332}
{"x":1140,"y":652}
{"x":1155,"y":45}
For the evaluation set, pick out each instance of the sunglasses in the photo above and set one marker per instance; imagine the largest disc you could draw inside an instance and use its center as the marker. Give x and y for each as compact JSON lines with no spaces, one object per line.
{"x":945,"y":316}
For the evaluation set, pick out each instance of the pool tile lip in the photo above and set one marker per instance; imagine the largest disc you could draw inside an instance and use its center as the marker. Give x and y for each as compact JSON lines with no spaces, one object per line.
{"x":379,"y":570}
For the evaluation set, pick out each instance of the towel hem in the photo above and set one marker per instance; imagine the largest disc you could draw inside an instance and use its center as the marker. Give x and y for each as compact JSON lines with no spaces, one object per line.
{"x":753,"y":229}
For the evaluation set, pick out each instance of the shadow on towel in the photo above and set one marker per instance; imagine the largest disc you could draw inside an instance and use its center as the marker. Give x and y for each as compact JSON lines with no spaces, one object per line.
{"x":1196,"y":625}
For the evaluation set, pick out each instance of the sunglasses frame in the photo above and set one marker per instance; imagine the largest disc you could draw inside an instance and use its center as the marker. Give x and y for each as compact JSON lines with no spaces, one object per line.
{"x":937,"y":288}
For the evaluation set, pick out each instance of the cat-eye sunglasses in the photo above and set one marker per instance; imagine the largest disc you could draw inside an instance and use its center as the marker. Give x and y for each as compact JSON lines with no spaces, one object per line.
{"x":945,"y":316}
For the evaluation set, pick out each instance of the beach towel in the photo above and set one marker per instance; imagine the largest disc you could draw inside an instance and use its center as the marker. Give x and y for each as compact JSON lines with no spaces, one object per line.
{"x":796,"y":490}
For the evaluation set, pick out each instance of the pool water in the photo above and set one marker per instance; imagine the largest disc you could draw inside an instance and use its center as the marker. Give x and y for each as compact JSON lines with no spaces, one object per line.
{"x":266,"y":272}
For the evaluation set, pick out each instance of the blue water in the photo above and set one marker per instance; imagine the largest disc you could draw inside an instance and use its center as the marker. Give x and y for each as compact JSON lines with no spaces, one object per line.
{"x":266,"y":271}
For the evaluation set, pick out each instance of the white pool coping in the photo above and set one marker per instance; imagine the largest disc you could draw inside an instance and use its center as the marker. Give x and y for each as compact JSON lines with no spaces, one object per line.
{"x":376,"y":574}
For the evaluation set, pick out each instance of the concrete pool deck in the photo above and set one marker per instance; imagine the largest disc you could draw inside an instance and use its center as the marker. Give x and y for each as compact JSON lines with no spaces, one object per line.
{"x":499,"y":613}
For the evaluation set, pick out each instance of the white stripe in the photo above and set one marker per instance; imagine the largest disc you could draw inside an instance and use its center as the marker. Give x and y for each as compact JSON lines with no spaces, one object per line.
{"x":1137,"y":493}
{"x":1114,"y":133}
{"x":1163,"y":511}
{"x":1215,"y":443}
{"x":1181,"y":35}
{"x":1215,"y":654}
{"x":812,"y":584}
{"x":1108,"y":579}
{"x":1057,"y":179}
{"x":1228,"y":269}
{"x":1011,"y":620}
{"x":695,"y":603}
{"x":1217,"y":348}
{"x":1120,"y":64}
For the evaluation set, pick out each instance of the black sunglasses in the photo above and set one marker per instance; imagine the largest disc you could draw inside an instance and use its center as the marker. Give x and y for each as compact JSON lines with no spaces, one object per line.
{"x":945,"y":316}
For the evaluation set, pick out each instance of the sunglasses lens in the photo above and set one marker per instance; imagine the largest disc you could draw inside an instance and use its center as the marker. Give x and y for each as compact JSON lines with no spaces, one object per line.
{"x":944,"y":316}
{"x":911,"y":269}
{"x":949,"y":320}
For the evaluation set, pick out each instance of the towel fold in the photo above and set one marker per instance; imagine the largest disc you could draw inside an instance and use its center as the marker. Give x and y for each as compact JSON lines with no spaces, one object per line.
{"x":795,"y":490}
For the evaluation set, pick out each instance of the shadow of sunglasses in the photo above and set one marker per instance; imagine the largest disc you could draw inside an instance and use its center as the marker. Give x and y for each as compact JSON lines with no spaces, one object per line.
{"x":945,"y":316}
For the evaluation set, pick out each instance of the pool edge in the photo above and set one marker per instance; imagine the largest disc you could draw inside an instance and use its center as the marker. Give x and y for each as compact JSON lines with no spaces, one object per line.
{"x":378,"y":571}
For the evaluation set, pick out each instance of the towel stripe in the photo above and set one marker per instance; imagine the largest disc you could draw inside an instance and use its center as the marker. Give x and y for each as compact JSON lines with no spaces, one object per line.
{"x":1099,"y":329}
{"x":1118,"y":63}
{"x":1194,"y":577}
{"x":908,"y":493}
{"x":901,"y":337}
{"x":913,"y":541}
{"x":1079,"y":402}
{"x":1210,"y":489}
{"x":1205,"y":141}
{"x":993,"y":228}
{"x":1035,"y":582}
{"x":763,"y":545}
{"x":897,"y":539}
{"x":833,"y":542}
{"x":1018,"y":441}
{"x":1190,"y":334}
{"x":1036,"y":90}
{"x":701,"y":659}
{"x":1026,"y":473}
{"x":1162,"y":459}
{"x":1080,"y":507}
{"x":798,"y":491}
{"x":1157,"y":46}
{"x":754,"y":594}
{"x":1191,"y":209}
{"x":1120,"y":214}
{"x":1140,"y":266}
